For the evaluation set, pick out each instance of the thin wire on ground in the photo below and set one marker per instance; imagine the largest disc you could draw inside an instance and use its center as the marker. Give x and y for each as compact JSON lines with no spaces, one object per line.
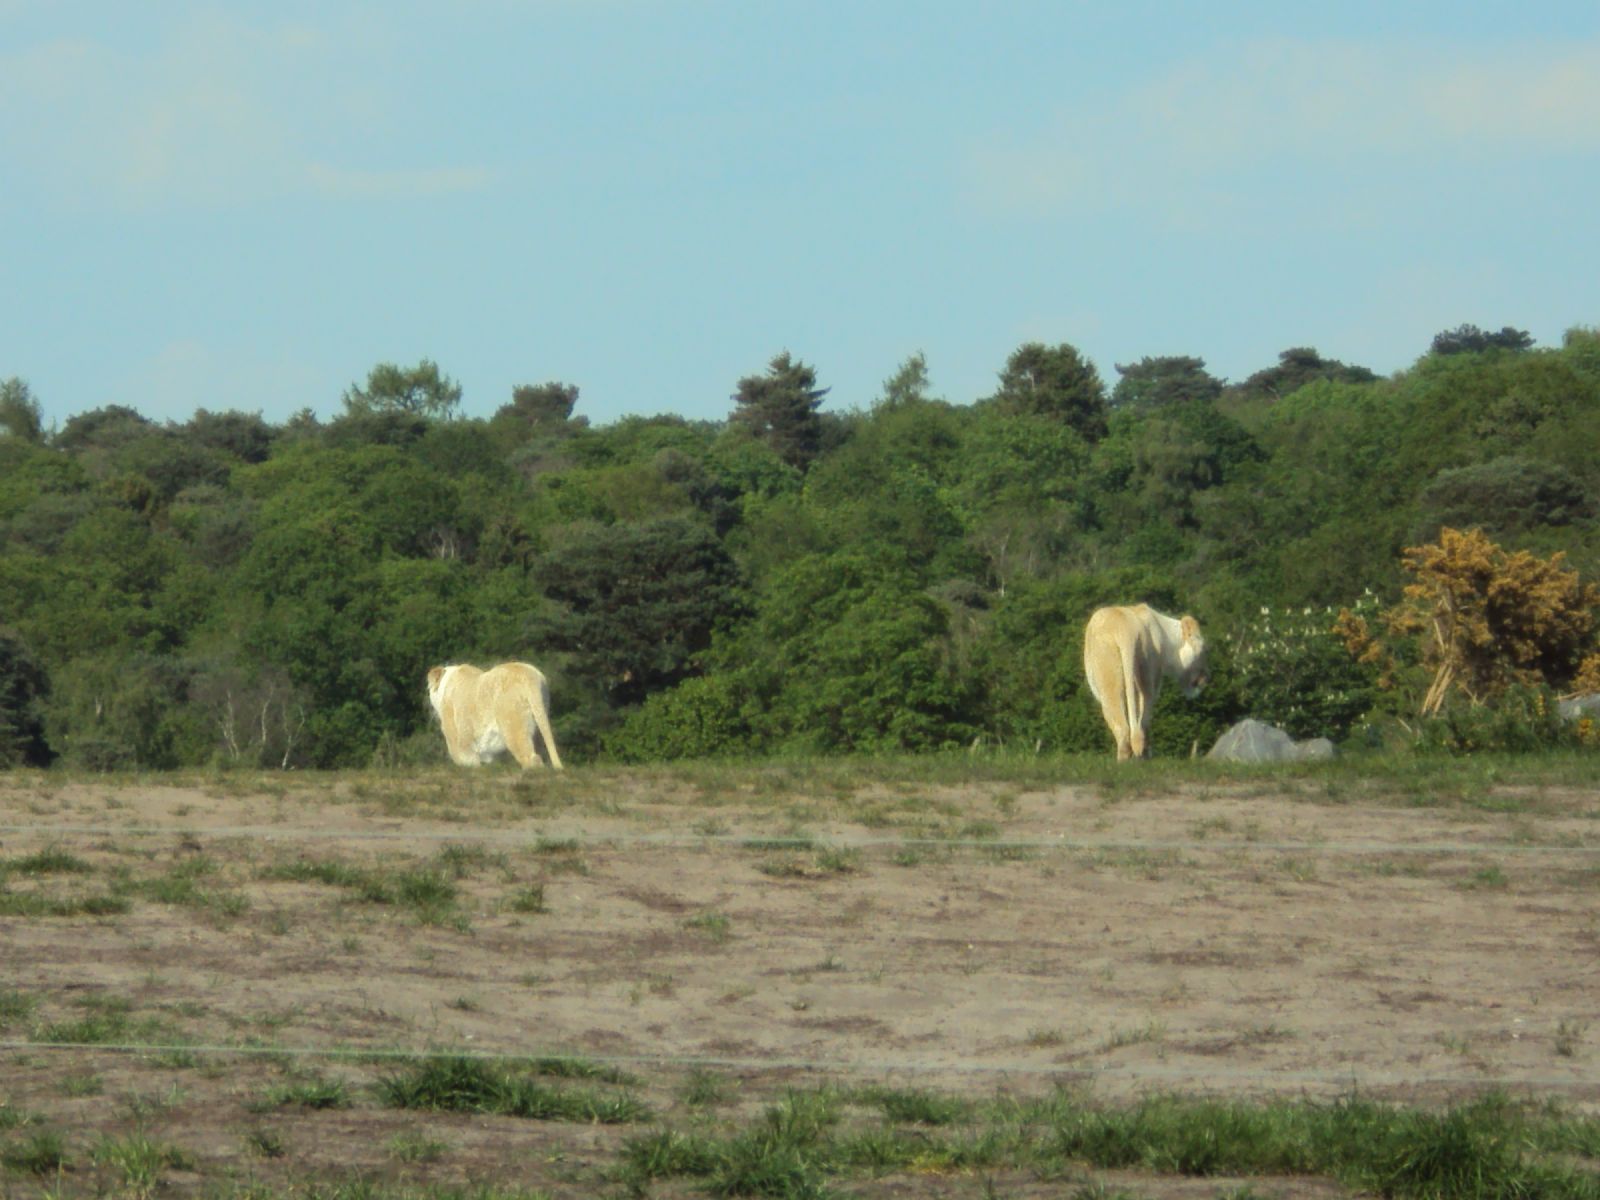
{"x":1136,"y":1072}
{"x":795,"y":842}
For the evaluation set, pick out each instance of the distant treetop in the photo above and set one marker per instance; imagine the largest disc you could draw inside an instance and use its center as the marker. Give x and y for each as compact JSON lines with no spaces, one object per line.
{"x":1297,"y":367}
{"x":780,"y":409}
{"x":1154,"y":383}
{"x":1054,"y":381}
{"x":1469,"y":339}
{"x":419,"y":391}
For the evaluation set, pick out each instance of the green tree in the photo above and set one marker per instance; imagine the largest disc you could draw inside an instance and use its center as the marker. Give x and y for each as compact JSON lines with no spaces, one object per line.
{"x":909,"y":384}
{"x":846,"y":653}
{"x":780,"y":409}
{"x":634,"y":605}
{"x":1295,"y":368}
{"x":540,"y":408}
{"x":24,"y":686}
{"x":244,"y":437}
{"x":1293,"y":670}
{"x":1056,"y":382}
{"x":101,"y":427}
{"x":1153,"y":383}
{"x":1509,"y":494}
{"x":112,"y":712}
{"x":1469,"y":339}
{"x":420,"y":390}
{"x":20,"y":415}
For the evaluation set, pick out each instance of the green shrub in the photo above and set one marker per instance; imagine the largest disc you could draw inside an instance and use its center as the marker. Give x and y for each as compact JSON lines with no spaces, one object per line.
{"x":1519,"y":720}
{"x":700,"y":718}
{"x":1294,"y":672}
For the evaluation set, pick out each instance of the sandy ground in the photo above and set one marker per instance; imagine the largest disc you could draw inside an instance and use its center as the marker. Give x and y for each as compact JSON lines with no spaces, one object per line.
{"x":1237,"y":939}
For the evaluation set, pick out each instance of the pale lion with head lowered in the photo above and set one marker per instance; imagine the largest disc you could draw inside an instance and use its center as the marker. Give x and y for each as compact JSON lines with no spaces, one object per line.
{"x":485,"y":713}
{"x":1127,"y":650}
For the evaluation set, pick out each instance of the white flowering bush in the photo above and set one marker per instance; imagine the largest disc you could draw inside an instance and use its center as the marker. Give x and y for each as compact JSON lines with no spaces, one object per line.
{"x":1294,"y":671}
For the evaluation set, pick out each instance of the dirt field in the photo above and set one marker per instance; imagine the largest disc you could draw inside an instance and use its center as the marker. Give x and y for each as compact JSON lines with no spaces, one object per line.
{"x":171,"y":952}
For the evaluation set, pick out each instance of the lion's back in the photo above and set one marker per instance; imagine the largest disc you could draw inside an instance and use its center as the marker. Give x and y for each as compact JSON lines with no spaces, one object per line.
{"x":1114,"y":626}
{"x":509,"y":678}
{"x":1115,"y":635}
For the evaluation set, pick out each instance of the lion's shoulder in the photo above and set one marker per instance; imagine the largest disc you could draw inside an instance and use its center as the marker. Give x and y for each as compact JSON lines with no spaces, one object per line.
{"x":1121,"y":619}
{"x":509,"y":673}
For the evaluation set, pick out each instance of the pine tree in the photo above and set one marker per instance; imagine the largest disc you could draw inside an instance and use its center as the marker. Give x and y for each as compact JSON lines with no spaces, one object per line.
{"x":780,"y":409}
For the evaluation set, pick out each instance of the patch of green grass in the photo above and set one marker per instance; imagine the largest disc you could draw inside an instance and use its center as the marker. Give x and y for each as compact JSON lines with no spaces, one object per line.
{"x":835,"y":860}
{"x":785,"y":866}
{"x":1487,"y":1148}
{"x":916,"y":853}
{"x":44,"y":1153}
{"x":1569,"y":1036}
{"x":52,"y":860}
{"x":424,"y":889}
{"x":796,"y":843}
{"x":33,"y":904}
{"x":529,"y":899}
{"x":428,"y":890}
{"x":703,"y":1089}
{"x":1002,"y":852}
{"x":108,"y":1024}
{"x":265,"y":1143}
{"x":15,"y":1006}
{"x":139,"y":1160}
{"x":327,"y":871}
{"x":1150,"y":1031}
{"x":461,"y":861}
{"x":185,"y":885}
{"x":480,"y":1086}
{"x":574,"y":1068}
{"x":413,"y":1147}
{"x":915,"y":1107}
{"x":827,"y":860}
{"x":561,"y":855}
{"x":717,"y":927}
{"x":313,"y":1092}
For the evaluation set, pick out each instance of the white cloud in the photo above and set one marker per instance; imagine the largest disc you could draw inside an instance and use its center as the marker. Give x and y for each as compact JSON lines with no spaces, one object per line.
{"x":1345,"y":98}
{"x":217,"y":112}
{"x":1172,"y":143}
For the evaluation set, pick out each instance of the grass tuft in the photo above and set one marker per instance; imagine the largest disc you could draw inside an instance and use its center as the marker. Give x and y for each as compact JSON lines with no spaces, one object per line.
{"x":479,"y":1086}
{"x":52,"y":860}
{"x":44,"y":1153}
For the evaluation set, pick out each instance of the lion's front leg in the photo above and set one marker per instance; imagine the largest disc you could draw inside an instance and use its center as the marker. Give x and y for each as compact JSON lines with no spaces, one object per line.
{"x":460,"y":743}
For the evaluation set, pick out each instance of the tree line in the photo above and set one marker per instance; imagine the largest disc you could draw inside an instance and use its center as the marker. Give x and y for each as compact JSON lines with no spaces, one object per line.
{"x":907,"y":574}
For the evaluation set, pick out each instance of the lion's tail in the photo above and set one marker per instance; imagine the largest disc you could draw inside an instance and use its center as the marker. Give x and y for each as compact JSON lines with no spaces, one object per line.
{"x":539,"y":702}
{"x":1133,"y":697}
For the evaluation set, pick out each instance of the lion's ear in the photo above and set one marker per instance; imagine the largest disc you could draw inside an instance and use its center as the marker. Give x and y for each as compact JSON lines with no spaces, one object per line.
{"x":436,"y":674}
{"x":1191,"y":628}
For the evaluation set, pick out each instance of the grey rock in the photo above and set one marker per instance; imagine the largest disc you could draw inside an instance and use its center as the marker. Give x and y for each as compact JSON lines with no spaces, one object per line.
{"x":1313,"y":749}
{"x":1579,"y":706}
{"x":1256,"y":741}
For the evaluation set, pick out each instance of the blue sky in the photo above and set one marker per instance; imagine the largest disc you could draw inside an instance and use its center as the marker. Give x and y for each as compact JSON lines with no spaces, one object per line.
{"x":248,"y":205}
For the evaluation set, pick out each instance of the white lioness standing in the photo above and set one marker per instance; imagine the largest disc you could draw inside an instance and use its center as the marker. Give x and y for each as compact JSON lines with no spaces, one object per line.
{"x":1127,"y":650}
{"x":485,"y":713}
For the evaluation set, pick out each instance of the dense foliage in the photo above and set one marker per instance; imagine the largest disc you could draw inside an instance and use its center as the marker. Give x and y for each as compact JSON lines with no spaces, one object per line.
{"x":908,"y":575}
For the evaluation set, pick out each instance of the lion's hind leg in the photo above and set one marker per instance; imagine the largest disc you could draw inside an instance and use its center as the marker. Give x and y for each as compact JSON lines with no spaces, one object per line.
{"x":516,"y":726}
{"x":1129,"y":739}
{"x":1107,"y":685}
